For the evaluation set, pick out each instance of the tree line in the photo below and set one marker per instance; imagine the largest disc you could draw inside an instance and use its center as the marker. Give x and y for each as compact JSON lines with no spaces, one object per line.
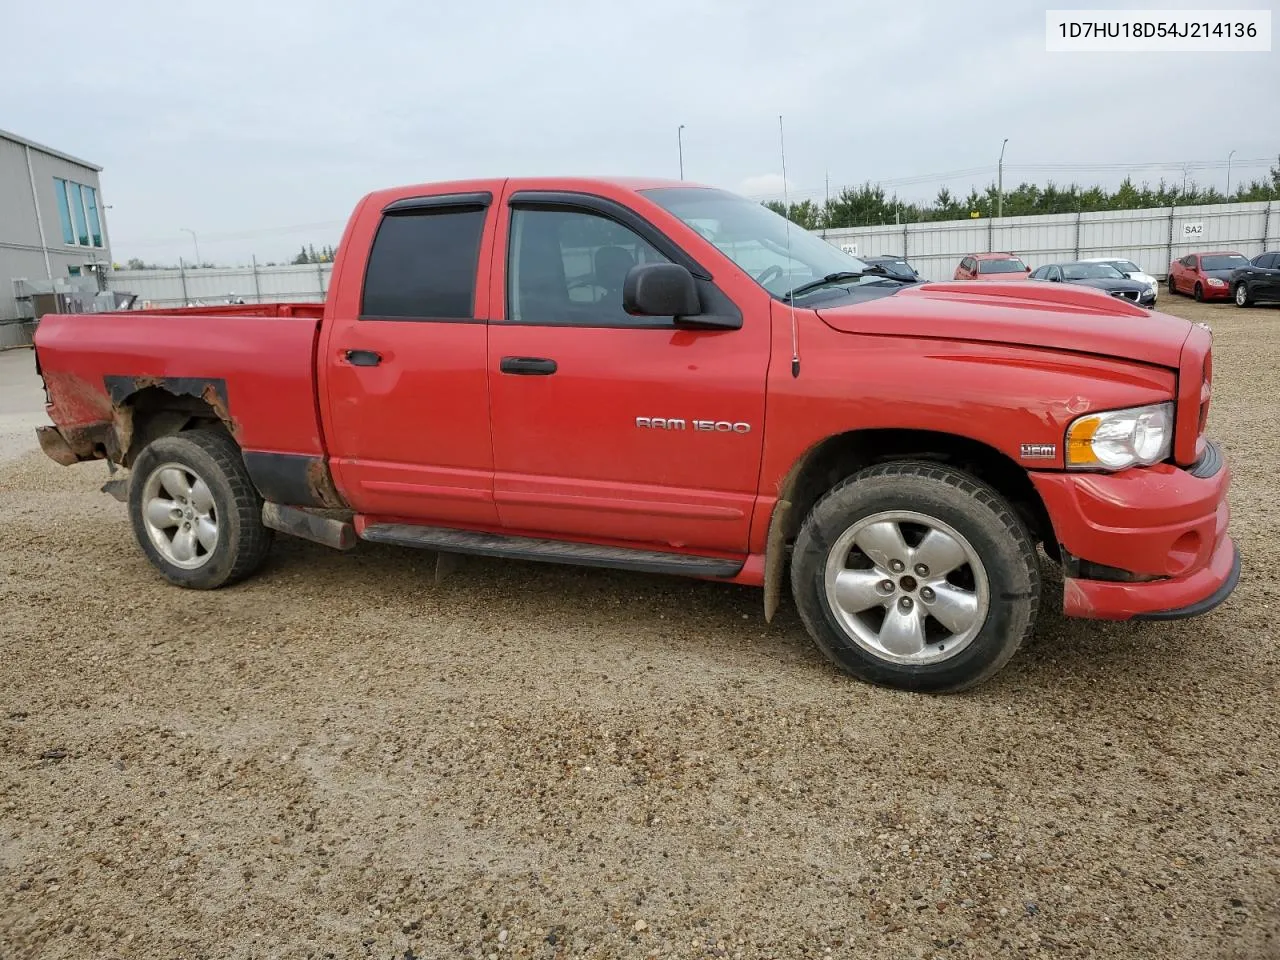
{"x":869,"y":204}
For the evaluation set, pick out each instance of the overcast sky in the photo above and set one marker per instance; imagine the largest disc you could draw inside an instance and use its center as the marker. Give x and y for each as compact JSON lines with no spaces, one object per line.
{"x":259,"y":124}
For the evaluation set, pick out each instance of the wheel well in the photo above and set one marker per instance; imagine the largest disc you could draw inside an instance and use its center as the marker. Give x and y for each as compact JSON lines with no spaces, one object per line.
{"x":839,"y":456}
{"x":154,"y":412}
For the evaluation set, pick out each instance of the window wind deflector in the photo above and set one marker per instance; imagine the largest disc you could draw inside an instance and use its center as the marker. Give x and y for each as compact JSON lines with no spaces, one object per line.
{"x":480,"y":198}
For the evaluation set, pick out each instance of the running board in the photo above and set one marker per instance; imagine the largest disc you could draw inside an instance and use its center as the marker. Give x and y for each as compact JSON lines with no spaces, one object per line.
{"x":548,"y":551}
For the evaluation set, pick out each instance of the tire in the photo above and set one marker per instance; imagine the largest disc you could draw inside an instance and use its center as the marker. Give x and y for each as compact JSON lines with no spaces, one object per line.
{"x":1173,"y":287}
{"x":1241,"y":295}
{"x":969,"y":514}
{"x":1199,"y":294}
{"x":229,"y":504}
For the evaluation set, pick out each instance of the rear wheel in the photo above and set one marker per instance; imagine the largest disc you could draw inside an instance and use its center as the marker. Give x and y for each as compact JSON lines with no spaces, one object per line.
{"x":1242,"y":295}
{"x":195,"y":512}
{"x":916,"y":575}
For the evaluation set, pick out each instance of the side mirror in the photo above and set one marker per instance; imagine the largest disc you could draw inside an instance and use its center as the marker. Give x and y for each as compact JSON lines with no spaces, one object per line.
{"x":660,"y":290}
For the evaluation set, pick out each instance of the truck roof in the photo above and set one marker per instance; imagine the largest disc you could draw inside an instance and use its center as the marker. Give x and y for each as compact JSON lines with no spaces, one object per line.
{"x":495,"y":185}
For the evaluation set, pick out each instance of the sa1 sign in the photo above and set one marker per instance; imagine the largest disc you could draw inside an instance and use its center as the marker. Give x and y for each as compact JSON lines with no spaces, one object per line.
{"x":1192,"y":231}
{"x":850,"y":248}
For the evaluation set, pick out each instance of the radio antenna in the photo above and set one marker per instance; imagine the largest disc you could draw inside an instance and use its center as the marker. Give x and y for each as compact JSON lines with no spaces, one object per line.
{"x":786,"y":207}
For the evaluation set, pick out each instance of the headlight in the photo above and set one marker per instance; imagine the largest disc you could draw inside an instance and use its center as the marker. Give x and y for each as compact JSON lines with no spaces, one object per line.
{"x":1215,"y":282}
{"x":1121,"y":438}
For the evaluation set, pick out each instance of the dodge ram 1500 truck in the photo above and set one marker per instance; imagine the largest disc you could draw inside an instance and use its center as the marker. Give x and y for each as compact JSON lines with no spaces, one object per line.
{"x":671,"y":378}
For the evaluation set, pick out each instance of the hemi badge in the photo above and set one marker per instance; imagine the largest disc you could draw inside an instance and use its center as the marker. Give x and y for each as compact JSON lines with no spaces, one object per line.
{"x":1039,"y":451}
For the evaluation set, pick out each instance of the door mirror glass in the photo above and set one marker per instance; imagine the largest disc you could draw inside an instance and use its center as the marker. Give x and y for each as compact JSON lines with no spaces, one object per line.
{"x":660,"y":290}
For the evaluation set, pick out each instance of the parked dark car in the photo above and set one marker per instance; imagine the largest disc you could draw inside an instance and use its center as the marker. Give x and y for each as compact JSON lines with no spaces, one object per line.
{"x":897,"y":267}
{"x":1257,"y":281}
{"x":1100,"y":276}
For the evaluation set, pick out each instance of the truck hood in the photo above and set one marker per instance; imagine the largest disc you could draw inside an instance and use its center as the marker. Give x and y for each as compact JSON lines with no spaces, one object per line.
{"x":1058,"y":316}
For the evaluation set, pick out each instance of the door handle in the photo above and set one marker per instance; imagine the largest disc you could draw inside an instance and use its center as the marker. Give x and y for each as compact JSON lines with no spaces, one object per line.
{"x":363,"y":358}
{"x":528,"y":366}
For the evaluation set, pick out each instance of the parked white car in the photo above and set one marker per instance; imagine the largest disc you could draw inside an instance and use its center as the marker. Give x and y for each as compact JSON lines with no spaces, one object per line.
{"x":1130,"y":270}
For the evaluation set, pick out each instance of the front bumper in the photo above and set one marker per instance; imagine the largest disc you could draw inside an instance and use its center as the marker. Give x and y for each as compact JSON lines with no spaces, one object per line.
{"x":1161,"y":530}
{"x":1216,"y":293}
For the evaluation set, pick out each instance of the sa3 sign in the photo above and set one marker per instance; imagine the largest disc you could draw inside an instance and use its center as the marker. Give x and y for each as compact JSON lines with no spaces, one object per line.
{"x":1193,"y":231}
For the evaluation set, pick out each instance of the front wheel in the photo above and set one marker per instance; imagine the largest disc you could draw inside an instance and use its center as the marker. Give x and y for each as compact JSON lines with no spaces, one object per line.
{"x":1199,"y":293}
{"x":195,"y":512}
{"x":1173,"y":287}
{"x":1242,"y":295}
{"x":916,"y":575}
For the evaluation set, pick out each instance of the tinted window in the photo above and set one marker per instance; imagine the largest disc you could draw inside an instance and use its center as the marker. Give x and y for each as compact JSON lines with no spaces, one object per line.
{"x":568,"y":266}
{"x":1055,"y":273}
{"x":423,"y":264}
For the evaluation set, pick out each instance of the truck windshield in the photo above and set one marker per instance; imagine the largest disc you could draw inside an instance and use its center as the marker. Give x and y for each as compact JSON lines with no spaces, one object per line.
{"x":755,"y":238}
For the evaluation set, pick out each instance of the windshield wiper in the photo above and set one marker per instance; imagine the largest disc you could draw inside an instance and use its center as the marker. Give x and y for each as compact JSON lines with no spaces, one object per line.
{"x":830,"y":280}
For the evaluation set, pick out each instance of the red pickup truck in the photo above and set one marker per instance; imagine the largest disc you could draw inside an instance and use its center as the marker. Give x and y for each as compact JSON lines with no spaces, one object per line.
{"x":671,"y":378}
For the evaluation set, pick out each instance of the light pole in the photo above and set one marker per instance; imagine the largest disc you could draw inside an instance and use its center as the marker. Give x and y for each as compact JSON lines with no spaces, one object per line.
{"x":194,"y":241}
{"x":1000,"y":181}
{"x":1229,"y":156}
{"x":680,"y":147}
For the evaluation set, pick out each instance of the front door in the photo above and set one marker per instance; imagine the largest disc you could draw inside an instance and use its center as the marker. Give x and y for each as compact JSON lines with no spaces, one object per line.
{"x":606,"y":425}
{"x":403,"y":367}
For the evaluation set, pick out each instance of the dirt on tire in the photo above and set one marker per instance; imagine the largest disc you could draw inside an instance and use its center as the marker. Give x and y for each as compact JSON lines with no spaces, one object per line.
{"x":340,"y":758}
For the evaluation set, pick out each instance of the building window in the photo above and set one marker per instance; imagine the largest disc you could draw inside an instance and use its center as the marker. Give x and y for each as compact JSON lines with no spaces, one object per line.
{"x":64,"y":211}
{"x":78,"y":213}
{"x":95,"y":223}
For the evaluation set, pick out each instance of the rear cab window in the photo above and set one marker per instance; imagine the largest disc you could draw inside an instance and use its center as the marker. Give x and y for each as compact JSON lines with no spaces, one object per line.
{"x":423,"y":262}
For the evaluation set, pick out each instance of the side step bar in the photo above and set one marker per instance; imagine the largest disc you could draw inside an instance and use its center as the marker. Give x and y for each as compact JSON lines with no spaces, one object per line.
{"x":549,"y":551}
{"x":339,"y":534}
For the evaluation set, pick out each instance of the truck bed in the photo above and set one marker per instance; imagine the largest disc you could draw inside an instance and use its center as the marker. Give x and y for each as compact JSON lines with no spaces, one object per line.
{"x":254,"y":364}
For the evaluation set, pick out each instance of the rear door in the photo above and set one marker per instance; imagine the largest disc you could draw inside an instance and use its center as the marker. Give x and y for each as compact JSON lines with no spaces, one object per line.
{"x":610,"y":426}
{"x":403,"y":364}
{"x":1269,"y":281}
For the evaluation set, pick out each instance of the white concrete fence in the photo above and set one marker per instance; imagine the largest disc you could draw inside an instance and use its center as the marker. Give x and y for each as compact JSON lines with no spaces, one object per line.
{"x":1150,"y":238}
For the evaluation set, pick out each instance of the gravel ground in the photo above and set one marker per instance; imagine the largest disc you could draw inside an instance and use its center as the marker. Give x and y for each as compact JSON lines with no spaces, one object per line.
{"x":342,"y":759}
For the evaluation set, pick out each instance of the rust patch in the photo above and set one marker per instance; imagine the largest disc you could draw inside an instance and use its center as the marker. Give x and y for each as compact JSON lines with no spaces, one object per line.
{"x":320,"y":485}
{"x":215,"y":399}
{"x":55,"y":447}
{"x":88,"y":441}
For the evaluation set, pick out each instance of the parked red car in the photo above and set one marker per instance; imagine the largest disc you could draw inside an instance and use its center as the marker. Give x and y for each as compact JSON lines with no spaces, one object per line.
{"x":991,"y":266}
{"x":1206,"y":276}
{"x":647,"y":375}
